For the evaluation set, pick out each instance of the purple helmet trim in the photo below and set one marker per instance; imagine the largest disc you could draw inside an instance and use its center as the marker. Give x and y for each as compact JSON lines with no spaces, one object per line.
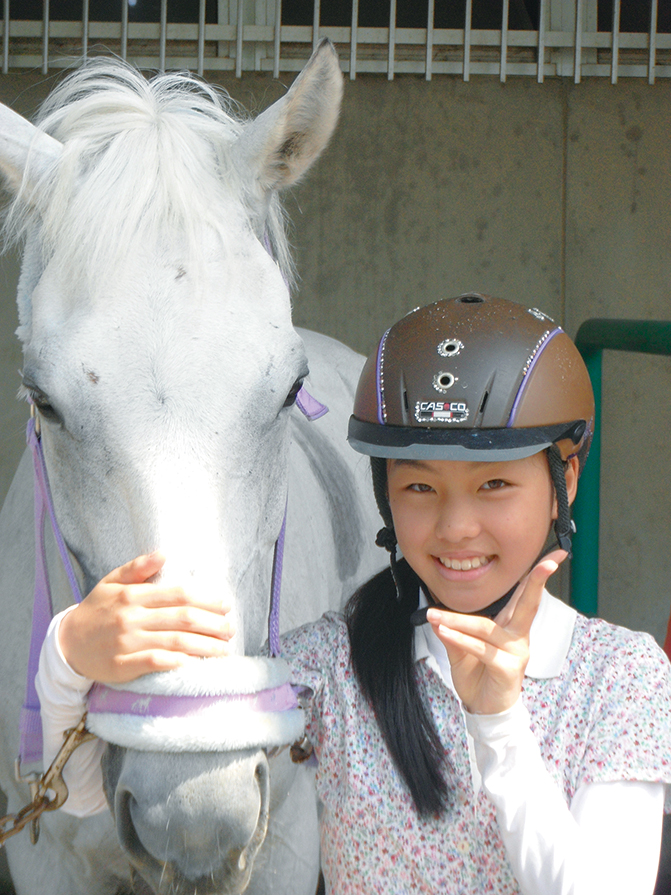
{"x":540,"y":348}
{"x":378,"y":380}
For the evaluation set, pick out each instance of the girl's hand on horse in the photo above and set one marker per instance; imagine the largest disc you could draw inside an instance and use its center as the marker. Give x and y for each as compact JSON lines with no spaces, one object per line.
{"x":127,"y":627}
{"x":488,"y":658}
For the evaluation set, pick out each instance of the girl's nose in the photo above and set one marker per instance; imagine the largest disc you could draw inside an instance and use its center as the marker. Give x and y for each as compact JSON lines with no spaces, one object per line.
{"x":457,"y":521}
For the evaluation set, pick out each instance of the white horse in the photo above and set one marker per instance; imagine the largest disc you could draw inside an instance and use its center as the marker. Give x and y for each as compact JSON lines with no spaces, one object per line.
{"x":160,"y":355}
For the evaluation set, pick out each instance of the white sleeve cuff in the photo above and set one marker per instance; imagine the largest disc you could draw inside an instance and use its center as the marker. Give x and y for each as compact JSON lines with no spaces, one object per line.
{"x":62,"y":693}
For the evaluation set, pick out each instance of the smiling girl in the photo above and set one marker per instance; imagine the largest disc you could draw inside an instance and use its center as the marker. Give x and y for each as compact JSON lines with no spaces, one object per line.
{"x":473,"y":733}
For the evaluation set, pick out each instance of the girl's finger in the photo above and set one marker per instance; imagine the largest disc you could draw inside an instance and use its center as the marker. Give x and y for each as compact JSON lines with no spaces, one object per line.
{"x":529,"y":601}
{"x":191,"y":618}
{"x":138,"y":570}
{"x":128,"y":668}
{"x":485,"y":652}
{"x":471,"y":625}
{"x":153,"y":596}
{"x":184,"y":642}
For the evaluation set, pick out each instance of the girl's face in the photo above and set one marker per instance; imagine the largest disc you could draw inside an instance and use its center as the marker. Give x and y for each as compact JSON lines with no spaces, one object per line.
{"x":472,"y":530}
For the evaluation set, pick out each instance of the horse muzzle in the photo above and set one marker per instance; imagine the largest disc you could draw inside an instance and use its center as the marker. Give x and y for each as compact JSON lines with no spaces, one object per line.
{"x":190,"y":823}
{"x":186,"y":771}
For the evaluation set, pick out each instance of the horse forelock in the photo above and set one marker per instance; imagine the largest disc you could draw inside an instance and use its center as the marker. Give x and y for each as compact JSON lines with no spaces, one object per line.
{"x":143,"y":160}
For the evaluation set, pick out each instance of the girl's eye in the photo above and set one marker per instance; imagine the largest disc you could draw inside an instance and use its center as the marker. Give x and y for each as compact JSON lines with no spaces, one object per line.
{"x":494,"y":485}
{"x":420,"y":487}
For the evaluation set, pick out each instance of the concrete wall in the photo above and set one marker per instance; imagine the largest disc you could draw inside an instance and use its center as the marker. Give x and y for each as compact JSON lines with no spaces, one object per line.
{"x":556,"y":195}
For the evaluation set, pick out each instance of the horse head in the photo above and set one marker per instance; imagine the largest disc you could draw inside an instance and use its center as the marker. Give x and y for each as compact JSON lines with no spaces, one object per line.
{"x":155,"y":318}
{"x":161,"y":359}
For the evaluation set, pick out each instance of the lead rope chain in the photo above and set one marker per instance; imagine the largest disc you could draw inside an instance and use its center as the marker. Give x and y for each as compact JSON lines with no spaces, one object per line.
{"x":11,"y":824}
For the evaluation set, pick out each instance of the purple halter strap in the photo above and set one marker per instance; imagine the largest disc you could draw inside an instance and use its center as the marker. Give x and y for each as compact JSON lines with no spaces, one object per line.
{"x":312,"y":409}
{"x":30,"y":748}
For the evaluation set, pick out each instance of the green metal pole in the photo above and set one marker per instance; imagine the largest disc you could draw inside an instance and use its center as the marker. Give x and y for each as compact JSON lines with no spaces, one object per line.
{"x":641,"y":336}
{"x":586,"y":509}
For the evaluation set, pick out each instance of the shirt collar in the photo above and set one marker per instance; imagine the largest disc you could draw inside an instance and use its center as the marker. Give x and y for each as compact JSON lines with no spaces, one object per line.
{"x":549,"y":639}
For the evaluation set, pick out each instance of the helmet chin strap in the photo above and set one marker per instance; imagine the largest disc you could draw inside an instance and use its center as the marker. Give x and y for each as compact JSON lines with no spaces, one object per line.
{"x":564,"y":526}
{"x":419,"y":616}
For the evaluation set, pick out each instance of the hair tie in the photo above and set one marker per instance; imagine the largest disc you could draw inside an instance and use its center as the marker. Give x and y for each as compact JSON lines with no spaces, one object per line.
{"x":386,"y":538}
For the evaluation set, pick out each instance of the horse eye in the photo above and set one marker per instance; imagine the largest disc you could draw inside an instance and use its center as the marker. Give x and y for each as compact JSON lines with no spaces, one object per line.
{"x":293,"y":392}
{"x":41,"y":401}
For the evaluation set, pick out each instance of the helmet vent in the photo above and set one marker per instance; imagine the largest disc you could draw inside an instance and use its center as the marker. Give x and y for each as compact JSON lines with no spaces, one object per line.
{"x":484,"y":403}
{"x":450,"y":348}
{"x":443,"y":381}
{"x":471,"y":299}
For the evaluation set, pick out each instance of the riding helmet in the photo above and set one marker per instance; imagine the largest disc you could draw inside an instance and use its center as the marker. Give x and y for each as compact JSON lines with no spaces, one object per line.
{"x":474,"y":378}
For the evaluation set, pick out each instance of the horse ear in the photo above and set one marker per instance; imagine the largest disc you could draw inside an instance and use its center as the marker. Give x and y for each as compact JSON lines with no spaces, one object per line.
{"x":25,"y":151}
{"x":284,"y":141}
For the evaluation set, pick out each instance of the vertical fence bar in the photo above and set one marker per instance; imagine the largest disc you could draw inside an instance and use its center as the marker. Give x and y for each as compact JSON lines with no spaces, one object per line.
{"x":260,"y":18}
{"x":354,"y":36}
{"x":238,"y":40}
{"x":163,"y":35}
{"x":316,"y":18}
{"x":615,"y":42}
{"x":201,"y":38}
{"x":45,"y":37}
{"x":85,"y":29}
{"x":504,"y":40}
{"x":429,"y":41}
{"x":577,"y":63}
{"x":277,"y":36}
{"x":5,"y":39}
{"x":467,"y":40}
{"x":124,"y":29}
{"x":392,"y":40}
{"x":540,"y":77}
{"x":652,"y":54}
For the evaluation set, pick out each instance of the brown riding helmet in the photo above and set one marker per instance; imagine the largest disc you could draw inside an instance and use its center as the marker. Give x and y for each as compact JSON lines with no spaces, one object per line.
{"x":473,"y":378}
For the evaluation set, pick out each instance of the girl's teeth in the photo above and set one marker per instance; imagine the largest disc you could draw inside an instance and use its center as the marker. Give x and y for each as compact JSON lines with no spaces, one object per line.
{"x":463,"y":565}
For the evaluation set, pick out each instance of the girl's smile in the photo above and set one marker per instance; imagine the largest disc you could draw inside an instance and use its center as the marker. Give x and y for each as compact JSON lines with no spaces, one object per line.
{"x":472,"y":530}
{"x":465,"y":565}
{"x":468,"y":568}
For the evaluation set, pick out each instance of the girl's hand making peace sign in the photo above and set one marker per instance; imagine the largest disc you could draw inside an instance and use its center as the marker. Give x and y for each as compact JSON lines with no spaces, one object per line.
{"x":488,"y":658}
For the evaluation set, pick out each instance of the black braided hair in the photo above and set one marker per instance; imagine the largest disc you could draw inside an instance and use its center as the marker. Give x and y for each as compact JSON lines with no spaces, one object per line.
{"x":382,"y":646}
{"x":383,"y":660}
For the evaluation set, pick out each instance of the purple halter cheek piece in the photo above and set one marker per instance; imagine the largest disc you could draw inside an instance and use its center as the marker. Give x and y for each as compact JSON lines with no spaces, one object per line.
{"x":30,"y":748}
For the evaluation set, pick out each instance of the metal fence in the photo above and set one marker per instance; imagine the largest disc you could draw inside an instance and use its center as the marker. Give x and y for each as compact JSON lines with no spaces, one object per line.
{"x":249,"y":35}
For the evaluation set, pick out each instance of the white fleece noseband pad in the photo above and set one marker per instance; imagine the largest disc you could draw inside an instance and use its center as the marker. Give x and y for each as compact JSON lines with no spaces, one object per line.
{"x":209,"y":705}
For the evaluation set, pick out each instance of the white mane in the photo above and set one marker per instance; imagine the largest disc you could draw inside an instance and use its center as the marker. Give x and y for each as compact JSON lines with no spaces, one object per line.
{"x":142,"y":159}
